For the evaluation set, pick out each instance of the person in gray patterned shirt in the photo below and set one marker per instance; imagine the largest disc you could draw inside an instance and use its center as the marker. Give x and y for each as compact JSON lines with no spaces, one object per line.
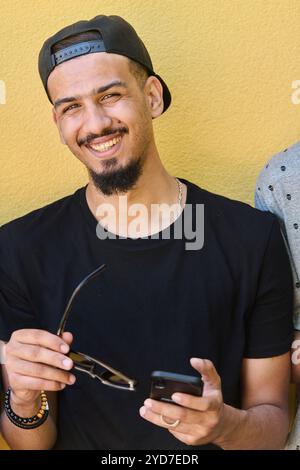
{"x":278,"y":191}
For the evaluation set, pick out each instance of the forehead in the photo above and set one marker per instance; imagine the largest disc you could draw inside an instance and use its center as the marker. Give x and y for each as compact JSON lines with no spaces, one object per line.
{"x":78,"y":76}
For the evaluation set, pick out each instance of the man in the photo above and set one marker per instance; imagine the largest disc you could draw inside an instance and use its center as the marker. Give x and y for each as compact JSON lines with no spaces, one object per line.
{"x":223,"y":308}
{"x":277,"y":191}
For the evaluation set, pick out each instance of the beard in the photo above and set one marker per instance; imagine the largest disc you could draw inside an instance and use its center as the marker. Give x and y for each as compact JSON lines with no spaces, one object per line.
{"x":119,"y":180}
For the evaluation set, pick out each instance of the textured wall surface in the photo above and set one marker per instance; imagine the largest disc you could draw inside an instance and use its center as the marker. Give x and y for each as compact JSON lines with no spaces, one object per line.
{"x":229,"y":64}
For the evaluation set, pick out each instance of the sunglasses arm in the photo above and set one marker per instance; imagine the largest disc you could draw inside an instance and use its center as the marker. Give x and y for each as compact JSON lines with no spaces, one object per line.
{"x":88,"y":278}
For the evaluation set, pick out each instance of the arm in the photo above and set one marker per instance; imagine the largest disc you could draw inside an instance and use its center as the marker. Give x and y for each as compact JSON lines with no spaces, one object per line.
{"x":287,"y":211}
{"x":41,"y":438}
{"x":295,"y":354}
{"x":261,"y":424}
{"x":34,"y":361}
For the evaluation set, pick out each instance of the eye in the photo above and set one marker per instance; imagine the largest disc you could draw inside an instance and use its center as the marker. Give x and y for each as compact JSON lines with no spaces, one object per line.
{"x":111,"y":97}
{"x":69,"y":108}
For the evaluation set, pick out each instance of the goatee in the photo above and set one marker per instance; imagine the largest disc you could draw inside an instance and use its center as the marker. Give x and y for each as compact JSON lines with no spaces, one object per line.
{"x":117,"y":181}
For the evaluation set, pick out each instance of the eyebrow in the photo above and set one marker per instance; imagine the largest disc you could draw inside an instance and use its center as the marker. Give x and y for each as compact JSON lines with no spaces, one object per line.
{"x":102,"y":89}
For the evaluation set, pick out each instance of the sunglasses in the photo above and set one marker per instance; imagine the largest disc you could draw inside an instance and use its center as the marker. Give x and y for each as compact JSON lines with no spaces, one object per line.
{"x":88,"y":364}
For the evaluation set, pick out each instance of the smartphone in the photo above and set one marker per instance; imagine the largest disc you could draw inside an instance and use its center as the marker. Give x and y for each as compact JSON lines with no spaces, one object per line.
{"x":164,"y":384}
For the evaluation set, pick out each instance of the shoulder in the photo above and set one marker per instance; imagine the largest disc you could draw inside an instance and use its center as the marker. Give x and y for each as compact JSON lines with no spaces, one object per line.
{"x":231,"y":209}
{"x":277,"y":187}
{"x":284,"y":165}
{"x":37,"y":225}
{"x":232,"y":218}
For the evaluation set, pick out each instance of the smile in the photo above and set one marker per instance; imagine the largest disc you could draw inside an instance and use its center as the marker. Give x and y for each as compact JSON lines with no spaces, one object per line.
{"x":103,"y":147}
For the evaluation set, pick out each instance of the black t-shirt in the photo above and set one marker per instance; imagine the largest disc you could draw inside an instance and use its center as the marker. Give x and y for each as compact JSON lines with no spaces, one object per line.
{"x":153,"y":308}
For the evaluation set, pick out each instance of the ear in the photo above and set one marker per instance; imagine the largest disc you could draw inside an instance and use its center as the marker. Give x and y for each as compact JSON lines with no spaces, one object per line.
{"x":154,"y":93}
{"x":54,"y":116}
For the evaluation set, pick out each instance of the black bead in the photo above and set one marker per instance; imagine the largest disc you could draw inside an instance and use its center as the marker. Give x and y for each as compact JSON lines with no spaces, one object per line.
{"x":285,"y":150}
{"x":289,"y":197}
{"x":296,"y":226}
{"x":271,"y":187}
{"x":297,"y":284}
{"x":283,"y":168}
{"x":24,"y":423}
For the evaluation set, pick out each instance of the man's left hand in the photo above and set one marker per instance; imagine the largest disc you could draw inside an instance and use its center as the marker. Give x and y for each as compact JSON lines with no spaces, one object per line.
{"x":200,"y":418}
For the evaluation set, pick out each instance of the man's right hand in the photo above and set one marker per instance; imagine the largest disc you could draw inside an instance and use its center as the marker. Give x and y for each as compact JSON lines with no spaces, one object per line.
{"x":35,"y":360}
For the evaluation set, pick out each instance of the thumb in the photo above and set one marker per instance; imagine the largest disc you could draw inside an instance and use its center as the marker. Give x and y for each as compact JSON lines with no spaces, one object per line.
{"x":210,"y":377}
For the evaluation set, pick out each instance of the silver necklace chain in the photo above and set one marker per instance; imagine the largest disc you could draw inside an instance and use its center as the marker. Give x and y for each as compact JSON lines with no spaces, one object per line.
{"x":179,"y":184}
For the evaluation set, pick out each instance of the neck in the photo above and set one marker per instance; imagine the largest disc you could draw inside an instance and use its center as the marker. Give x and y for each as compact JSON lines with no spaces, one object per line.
{"x":154,"y":187}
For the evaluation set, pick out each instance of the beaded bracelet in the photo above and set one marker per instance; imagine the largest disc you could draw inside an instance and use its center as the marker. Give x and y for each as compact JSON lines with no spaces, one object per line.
{"x":27,"y":423}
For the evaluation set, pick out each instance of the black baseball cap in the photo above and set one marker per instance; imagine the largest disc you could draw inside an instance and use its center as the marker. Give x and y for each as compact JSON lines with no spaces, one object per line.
{"x":117,"y":37}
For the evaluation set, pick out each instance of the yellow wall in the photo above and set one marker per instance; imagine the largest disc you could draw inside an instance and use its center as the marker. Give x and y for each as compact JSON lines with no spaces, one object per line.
{"x":229,"y":63}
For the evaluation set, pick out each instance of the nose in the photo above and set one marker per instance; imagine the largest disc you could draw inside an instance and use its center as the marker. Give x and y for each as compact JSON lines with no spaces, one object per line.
{"x":95,"y":119}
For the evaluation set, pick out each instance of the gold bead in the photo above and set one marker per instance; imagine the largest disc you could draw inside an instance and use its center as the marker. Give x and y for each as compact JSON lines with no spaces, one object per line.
{"x":39,"y":415}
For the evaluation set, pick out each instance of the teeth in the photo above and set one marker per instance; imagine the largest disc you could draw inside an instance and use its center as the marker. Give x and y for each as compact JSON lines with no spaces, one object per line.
{"x":106,"y":145}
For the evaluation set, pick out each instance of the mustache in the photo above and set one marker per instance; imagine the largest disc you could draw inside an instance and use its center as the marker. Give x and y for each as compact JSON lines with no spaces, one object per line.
{"x":89,"y":138}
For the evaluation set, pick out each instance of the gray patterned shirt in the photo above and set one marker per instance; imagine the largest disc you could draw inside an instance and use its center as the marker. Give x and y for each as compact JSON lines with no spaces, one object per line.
{"x":278,"y":191}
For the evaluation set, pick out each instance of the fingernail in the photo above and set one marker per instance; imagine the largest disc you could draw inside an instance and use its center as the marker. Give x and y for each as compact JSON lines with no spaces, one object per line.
{"x":62,"y":386}
{"x":64,"y":348}
{"x":143,"y":411}
{"x":197,"y":360}
{"x":148,"y":403}
{"x":72,"y":379}
{"x":177,"y":397}
{"x":67,"y":363}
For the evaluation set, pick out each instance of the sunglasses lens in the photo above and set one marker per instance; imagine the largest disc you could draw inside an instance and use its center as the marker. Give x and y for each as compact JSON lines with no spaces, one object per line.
{"x":114,"y":379}
{"x":81,"y":362}
{"x":78,"y":358}
{"x":89,"y":365}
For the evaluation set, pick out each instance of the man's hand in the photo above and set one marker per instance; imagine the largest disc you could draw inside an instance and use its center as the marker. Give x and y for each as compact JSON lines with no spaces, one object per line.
{"x":35,"y":360}
{"x":201,"y":418}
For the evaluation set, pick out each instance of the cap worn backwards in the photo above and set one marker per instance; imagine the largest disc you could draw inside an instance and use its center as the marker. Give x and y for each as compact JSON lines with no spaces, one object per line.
{"x":117,"y":37}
